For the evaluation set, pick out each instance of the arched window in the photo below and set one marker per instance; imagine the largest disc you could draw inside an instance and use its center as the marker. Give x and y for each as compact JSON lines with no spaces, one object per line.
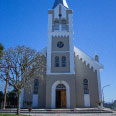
{"x":60,"y":86}
{"x":85,"y":86}
{"x":36,"y":84}
{"x":56,"y":61}
{"x":56,"y":25}
{"x":63,"y":61}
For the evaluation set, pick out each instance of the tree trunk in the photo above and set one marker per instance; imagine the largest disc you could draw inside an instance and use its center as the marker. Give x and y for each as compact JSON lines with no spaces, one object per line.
{"x":4,"y":102}
{"x":18,"y":102}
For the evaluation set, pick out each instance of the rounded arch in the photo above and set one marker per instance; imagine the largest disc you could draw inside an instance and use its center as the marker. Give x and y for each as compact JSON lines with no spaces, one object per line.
{"x":53,"y":94}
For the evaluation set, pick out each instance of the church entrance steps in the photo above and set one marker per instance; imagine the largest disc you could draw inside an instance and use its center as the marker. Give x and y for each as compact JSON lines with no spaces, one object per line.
{"x":77,"y":110}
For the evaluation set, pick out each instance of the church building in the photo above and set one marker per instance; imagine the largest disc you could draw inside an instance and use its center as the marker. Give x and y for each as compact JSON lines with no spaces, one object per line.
{"x":72,"y":78}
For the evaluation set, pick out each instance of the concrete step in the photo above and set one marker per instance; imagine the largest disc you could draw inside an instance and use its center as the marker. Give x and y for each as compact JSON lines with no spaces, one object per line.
{"x":80,"y":110}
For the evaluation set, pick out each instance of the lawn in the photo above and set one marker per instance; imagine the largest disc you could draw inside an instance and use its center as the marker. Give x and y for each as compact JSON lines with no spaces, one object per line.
{"x":11,"y":115}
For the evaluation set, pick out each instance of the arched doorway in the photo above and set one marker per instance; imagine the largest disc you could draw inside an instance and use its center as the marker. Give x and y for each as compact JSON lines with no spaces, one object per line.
{"x":60,"y":96}
{"x":53,"y":93}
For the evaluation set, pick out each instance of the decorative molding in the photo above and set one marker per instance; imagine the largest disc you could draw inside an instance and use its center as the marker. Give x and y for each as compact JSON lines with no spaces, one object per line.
{"x":60,"y":51}
{"x":60,"y":73}
{"x":60,"y":33}
{"x":60,"y":36}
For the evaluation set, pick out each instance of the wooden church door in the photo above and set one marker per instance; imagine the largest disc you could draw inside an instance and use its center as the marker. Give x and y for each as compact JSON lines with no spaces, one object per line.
{"x":60,"y":96}
{"x":63,"y":99}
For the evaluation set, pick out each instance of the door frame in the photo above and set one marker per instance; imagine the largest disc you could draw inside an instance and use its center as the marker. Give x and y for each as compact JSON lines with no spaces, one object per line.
{"x":53,"y":94}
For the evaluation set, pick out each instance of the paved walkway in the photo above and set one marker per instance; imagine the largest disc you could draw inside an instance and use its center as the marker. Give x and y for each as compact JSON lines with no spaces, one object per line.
{"x":92,"y":114}
{"x":112,"y":114}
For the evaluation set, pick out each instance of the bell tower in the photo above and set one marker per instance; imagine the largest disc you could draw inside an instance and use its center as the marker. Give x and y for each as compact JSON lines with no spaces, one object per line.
{"x":60,"y":48}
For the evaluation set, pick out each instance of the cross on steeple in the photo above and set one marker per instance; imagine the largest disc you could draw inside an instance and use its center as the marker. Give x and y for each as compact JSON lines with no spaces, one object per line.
{"x":63,"y":2}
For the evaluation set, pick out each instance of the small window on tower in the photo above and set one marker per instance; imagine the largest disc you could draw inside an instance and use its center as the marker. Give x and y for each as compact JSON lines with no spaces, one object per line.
{"x":56,"y":26}
{"x":57,"y":61}
{"x":64,"y":26}
{"x":63,"y":61}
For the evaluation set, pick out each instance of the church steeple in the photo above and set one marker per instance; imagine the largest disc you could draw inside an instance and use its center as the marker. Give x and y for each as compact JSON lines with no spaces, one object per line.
{"x":60,"y":49}
{"x":63,"y":2}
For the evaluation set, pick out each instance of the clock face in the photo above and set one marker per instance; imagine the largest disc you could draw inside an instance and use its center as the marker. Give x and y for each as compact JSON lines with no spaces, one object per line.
{"x":60,"y":44}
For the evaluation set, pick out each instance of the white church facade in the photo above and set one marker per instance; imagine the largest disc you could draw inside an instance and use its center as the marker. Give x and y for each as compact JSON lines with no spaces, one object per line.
{"x":71,"y":78}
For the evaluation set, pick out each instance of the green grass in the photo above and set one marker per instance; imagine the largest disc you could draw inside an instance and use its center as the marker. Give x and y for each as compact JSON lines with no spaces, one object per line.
{"x":11,"y":115}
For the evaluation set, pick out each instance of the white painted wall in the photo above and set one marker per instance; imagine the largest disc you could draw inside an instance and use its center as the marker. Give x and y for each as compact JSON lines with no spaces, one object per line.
{"x":86,"y":100}
{"x":70,"y":23}
{"x":49,"y":48}
{"x":99,"y":85}
{"x":72,"y":66}
{"x":49,"y":22}
{"x":63,"y":11}
{"x":35,"y":101}
{"x":56,"y":12}
{"x":49,"y":43}
{"x":22,"y":96}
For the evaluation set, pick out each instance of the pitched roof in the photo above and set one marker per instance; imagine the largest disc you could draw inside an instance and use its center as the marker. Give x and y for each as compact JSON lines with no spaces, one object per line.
{"x":87,"y":59}
{"x":63,"y":2}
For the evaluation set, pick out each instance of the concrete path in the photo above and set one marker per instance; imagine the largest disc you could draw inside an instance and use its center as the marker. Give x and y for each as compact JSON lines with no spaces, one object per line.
{"x":91,"y":114}
{"x":105,"y":114}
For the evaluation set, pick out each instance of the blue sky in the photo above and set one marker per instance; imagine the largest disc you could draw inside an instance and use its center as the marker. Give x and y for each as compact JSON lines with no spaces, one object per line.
{"x":24,"y":22}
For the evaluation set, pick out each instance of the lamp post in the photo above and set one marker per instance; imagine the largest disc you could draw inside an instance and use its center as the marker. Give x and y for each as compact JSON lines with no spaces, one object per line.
{"x":103,"y":92}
